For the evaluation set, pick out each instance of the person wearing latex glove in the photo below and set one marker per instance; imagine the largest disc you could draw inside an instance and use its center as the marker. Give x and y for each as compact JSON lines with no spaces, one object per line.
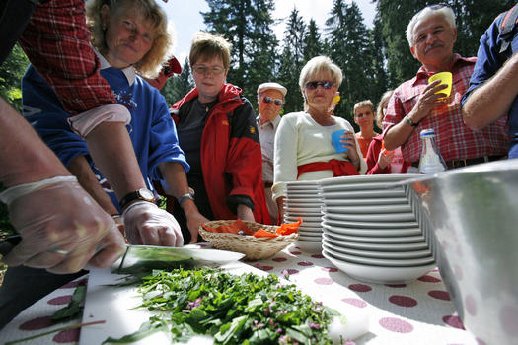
{"x":45,"y":27}
{"x":151,"y":130}
{"x":61,"y":226}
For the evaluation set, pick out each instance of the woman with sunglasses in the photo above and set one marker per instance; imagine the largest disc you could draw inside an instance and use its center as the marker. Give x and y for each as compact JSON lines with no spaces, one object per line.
{"x":303,"y":142}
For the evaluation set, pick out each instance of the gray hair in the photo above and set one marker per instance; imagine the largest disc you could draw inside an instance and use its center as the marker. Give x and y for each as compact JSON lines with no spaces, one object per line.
{"x":427,"y":12}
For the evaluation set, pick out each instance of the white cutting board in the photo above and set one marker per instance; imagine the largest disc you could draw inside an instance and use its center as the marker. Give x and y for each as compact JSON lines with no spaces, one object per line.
{"x":115,"y":304}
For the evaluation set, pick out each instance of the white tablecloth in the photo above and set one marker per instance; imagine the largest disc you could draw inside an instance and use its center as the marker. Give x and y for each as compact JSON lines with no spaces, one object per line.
{"x":417,"y":313}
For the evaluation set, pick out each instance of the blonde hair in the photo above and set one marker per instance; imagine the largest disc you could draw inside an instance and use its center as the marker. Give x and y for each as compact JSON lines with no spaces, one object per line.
{"x":380,"y":113}
{"x":151,"y":63}
{"x":366,"y":103}
{"x":317,"y":65}
{"x":206,"y":46}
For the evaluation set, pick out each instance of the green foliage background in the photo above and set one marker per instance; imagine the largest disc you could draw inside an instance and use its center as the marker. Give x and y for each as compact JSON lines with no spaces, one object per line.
{"x":372,"y":59}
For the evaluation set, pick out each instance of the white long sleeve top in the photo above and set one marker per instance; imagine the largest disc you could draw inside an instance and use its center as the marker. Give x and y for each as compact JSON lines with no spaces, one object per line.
{"x":301,"y":140}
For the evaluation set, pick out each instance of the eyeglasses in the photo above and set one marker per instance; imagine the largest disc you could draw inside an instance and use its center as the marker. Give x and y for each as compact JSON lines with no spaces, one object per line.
{"x":313,"y":85}
{"x":204,"y":70}
{"x":269,"y":100}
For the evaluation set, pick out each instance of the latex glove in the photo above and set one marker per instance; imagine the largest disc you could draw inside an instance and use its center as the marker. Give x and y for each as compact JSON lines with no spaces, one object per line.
{"x":146,"y":223}
{"x":61,"y":226}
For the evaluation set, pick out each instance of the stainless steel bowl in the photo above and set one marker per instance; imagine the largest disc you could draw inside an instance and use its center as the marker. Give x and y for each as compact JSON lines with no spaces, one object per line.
{"x":473,"y":219}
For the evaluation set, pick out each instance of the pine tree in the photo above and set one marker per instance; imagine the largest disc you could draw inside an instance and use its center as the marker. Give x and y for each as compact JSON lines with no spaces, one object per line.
{"x":292,"y":60}
{"x":312,"y":42}
{"x":352,"y":51}
{"x":178,"y":86}
{"x":247,"y":25}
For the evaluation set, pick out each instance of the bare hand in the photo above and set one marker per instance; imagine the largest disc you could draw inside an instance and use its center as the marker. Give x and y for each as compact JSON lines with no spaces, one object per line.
{"x":385,"y":158}
{"x":194,"y":221}
{"x":348,"y":142}
{"x":429,"y":99}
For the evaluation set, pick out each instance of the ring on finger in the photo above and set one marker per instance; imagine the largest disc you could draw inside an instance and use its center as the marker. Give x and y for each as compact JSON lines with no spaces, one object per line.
{"x":58,"y":250}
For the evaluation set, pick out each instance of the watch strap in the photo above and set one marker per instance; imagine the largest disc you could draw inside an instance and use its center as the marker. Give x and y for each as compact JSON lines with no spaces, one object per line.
{"x":184,"y":197}
{"x":135,"y":195}
{"x":410,"y":122}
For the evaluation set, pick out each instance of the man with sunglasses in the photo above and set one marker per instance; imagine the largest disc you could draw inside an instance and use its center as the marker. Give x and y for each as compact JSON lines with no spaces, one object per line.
{"x":270,"y":97}
{"x":417,"y":105}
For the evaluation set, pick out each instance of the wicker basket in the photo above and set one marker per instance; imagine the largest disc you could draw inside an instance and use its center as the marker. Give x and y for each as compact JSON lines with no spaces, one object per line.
{"x":253,"y":248}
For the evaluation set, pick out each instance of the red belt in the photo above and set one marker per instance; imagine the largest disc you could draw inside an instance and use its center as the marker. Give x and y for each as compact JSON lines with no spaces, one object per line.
{"x":339,"y":168}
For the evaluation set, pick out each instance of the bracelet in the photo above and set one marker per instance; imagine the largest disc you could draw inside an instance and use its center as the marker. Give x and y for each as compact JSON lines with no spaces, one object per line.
{"x":13,"y":193}
{"x":184,"y":197}
{"x":410,"y":122}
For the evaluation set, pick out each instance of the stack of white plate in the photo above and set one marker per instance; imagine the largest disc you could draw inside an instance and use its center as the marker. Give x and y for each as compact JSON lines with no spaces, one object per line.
{"x":304,"y":201}
{"x":372,"y":231}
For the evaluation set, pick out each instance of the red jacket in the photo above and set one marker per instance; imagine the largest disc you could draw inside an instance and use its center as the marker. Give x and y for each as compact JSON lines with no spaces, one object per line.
{"x":372,"y":158}
{"x":230,"y":147}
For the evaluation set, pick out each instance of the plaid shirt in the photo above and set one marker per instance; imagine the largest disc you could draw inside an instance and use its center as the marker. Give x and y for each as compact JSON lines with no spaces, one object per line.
{"x":454,"y":139}
{"x":57,"y":41}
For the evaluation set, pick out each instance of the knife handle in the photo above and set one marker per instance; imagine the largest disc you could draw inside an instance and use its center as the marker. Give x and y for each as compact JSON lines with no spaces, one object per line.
{"x":9,"y":243}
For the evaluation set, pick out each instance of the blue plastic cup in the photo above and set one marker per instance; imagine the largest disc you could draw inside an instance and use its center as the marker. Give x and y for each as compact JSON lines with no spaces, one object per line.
{"x":336,"y":137}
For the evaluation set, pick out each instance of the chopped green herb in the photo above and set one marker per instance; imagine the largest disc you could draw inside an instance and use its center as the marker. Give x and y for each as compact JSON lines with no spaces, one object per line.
{"x":233,"y":309}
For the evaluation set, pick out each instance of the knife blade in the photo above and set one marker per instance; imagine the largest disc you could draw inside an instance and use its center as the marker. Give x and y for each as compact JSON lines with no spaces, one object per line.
{"x":142,"y":258}
{"x":7,"y":244}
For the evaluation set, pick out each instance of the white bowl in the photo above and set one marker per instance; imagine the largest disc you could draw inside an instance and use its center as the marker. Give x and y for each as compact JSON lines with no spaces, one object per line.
{"x":379,"y":275}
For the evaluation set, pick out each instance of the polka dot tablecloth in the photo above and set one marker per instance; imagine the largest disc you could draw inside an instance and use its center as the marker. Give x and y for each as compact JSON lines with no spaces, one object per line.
{"x":419,"y":312}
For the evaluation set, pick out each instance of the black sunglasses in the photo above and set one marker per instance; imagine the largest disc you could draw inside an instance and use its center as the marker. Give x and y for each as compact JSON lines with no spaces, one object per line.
{"x":269,"y":100}
{"x":313,"y":85}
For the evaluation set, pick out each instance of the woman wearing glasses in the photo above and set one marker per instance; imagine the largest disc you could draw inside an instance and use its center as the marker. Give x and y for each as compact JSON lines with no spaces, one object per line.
{"x":217,"y":130}
{"x":303,"y":142}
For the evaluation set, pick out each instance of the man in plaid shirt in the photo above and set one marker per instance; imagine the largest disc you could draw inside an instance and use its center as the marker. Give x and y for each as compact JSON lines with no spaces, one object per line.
{"x":415,"y":105}
{"x":56,"y":39}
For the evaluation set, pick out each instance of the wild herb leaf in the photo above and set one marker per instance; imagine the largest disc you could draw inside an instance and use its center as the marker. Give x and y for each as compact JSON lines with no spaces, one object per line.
{"x":234,"y":309}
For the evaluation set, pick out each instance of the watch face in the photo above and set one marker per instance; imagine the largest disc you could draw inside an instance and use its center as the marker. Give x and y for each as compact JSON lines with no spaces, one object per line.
{"x":146,"y":194}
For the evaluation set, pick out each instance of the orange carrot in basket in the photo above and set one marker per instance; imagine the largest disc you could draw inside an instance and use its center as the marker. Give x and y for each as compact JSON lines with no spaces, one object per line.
{"x":289,"y":228}
{"x":261,"y":233}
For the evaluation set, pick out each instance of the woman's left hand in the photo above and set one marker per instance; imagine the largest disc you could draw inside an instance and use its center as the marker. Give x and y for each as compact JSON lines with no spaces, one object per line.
{"x":245,"y":213}
{"x":349,"y":142}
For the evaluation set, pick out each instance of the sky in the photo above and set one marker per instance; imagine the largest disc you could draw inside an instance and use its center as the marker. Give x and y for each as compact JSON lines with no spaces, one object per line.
{"x":187,"y":20}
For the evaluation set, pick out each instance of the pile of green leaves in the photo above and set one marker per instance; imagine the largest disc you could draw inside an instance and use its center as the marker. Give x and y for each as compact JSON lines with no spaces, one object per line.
{"x":234,"y":309}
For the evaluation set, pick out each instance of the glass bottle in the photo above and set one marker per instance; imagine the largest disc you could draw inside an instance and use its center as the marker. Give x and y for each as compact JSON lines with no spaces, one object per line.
{"x":431,"y":160}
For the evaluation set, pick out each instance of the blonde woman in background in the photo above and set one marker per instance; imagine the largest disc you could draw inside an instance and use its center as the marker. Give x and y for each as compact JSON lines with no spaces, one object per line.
{"x":303,"y":145}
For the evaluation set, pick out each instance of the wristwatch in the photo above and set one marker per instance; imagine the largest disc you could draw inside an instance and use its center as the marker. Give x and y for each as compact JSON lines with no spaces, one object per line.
{"x":188,"y":195}
{"x":140,"y":194}
{"x":410,"y":122}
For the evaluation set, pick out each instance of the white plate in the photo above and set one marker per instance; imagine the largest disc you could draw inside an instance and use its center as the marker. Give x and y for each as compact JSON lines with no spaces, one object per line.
{"x":303,"y":196}
{"x":311,"y":238}
{"x":366,"y":178}
{"x":370,"y":253}
{"x":379,"y":275}
{"x":362,"y":194}
{"x":339,"y":229}
{"x":310,"y":246}
{"x":379,"y":262}
{"x":402,"y":201}
{"x":343,"y":221}
{"x":381,"y":186}
{"x":306,"y":220}
{"x":337,"y":213}
{"x":368,"y":209}
{"x":296,"y":215}
{"x":369,"y":243}
{"x":301,"y":183}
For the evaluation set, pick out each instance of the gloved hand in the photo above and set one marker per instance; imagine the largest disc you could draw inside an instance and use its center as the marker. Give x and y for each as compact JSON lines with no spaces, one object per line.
{"x":146,"y":223}
{"x":61,"y":226}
